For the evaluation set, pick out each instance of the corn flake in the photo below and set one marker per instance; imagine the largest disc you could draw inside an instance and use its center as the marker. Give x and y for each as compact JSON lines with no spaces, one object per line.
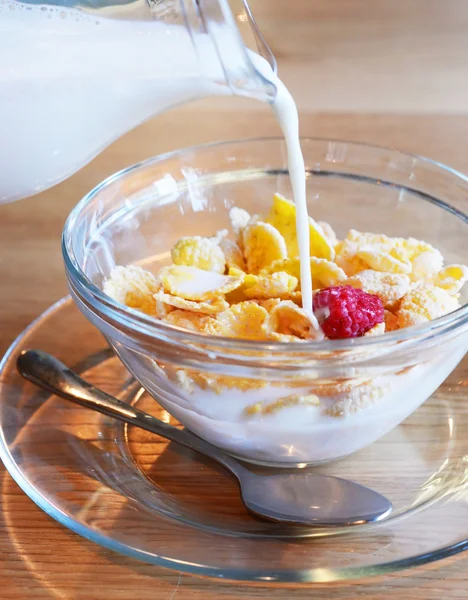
{"x":391,"y":321}
{"x":378,"y":329}
{"x":424,"y":303}
{"x":426,"y":261}
{"x":189,"y":320}
{"x":329,"y":233}
{"x":283,"y":217}
{"x":324,"y":272}
{"x":134,"y":287}
{"x":263,"y":244}
{"x":452,"y":278}
{"x":201,"y":252}
{"x":246,"y":320}
{"x":286,"y":318}
{"x":233,"y":254}
{"x":239,"y":219}
{"x":219,"y":383}
{"x":361,"y":251}
{"x":276,"y":285}
{"x":359,"y":398}
{"x":196,"y":284}
{"x":389,"y":287}
{"x":239,"y":294}
{"x":209,"y":307}
{"x":385,"y":258}
{"x":264,"y":409}
{"x":162,"y":309}
{"x":270,"y":304}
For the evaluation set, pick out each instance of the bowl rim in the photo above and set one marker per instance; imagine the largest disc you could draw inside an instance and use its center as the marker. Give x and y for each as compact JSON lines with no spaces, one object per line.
{"x":146,"y":324}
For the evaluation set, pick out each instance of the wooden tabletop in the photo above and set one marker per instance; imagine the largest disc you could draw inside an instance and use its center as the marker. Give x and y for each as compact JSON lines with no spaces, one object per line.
{"x":390,"y":73}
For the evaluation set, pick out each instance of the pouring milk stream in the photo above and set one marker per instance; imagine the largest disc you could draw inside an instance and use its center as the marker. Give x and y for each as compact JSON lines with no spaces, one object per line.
{"x":73,"y":81}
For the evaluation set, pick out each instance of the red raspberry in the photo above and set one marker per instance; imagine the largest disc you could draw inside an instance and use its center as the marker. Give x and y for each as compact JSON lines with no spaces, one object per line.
{"x":347,"y":312}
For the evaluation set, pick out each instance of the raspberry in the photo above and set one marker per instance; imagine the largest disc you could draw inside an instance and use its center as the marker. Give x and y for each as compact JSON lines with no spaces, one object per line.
{"x":347,"y":312}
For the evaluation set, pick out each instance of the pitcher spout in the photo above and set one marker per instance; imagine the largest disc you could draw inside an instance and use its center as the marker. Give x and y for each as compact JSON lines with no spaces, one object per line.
{"x":235,"y":34}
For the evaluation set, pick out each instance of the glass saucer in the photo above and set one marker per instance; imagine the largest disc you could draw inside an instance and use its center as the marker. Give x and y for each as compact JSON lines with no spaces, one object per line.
{"x":139,"y":495}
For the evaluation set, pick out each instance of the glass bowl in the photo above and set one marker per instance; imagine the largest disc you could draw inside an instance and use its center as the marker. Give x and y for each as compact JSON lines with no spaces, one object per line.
{"x":247,"y":397}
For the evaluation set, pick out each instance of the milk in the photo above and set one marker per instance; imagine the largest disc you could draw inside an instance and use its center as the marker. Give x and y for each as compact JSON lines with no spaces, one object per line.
{"x":285,"y":110}
{"x":71,"y":83}
{"x":286,"y":113}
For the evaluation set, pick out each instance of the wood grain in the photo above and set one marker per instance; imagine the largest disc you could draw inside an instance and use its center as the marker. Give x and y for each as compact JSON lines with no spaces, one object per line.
{"x":391,"y":73}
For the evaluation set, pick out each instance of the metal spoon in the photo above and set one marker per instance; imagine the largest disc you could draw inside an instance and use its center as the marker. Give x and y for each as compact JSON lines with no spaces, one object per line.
{"x":301,"y":497}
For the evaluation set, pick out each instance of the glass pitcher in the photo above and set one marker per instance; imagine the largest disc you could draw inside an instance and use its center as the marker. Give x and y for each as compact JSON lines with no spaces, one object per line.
{"x":76,"y":76}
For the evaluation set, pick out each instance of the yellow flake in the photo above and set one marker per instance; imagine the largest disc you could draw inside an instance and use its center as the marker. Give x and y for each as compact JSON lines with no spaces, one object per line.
{"x":134,"y":287}
{"x":236,"y":272}
{"x":287,"y":318}
{"x":239,"y":219}
{"x":221,"y":383}
{"x":185,"y":319}
{"x":283,"y":217}
{"x":329,"y":388}
{"x":424,"y":303}
{"x":378,"y":329}
{"x":389,"y":287}
{"x":264,"y":409}
{"x":245,"y":320}
{"x":162,"y":309}
{"x":452,"y":278}
{"x":253,"y":409}
{"x":286,"y":265}
{"x":346,"y":258}
{"x":209,"y":307}
{"x":385,"y":258}
{"x":391,"y":321}
{"x":426,"y":261}
{"x":233,"y":255}
{"x":239,"y":294}
{"x":329,"y":233}
{"x":325,"y":273}
{"x":191,"y":380}
{"x":360,"y":398}
{"x":192,"y":283}
{"x":200,"y":252}
{"x":270,"y":304}
{"x":184,"y":380}
{"x":263,"y":244}
{"x":359,"y":251}
{"x":296,"y":297}
{"x":276,"y":285}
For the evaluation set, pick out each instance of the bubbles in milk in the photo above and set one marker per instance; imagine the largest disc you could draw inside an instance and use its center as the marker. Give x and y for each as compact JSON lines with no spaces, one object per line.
{"x":46,"y":12}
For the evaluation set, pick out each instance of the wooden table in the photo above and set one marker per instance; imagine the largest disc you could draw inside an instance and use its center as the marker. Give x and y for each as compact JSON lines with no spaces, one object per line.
{"x":391,"y":73}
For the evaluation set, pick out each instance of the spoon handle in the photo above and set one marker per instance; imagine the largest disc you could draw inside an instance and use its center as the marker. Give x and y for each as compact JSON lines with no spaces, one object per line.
{"x":50,"y":374}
